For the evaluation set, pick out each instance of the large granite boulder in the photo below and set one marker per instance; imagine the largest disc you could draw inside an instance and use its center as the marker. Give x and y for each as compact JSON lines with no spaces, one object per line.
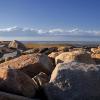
{"x":80,"y":56}
{"x":16,"y":45}
{"x":31,"y":64}
{"x":74,"y":81}
{"x":8,"y":96}
{"x":16,"y":82}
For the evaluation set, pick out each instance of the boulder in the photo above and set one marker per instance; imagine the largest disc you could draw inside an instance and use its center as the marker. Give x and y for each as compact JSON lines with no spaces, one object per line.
{"x":16,"y":45}
{"x":31,"y":64}
{"x":16,"y":82}
{"x":74,"y":81}
{"x":8,"y":96}
{"x":95,"y":50}
{"x":40,"y":79}
{"x":80,"y":56}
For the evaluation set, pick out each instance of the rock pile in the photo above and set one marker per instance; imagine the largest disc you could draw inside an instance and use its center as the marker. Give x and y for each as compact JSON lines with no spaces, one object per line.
{"x":49,"y":73}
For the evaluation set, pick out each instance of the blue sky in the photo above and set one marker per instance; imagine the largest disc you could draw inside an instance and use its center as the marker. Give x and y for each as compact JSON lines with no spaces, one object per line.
{"x":50,"y":18}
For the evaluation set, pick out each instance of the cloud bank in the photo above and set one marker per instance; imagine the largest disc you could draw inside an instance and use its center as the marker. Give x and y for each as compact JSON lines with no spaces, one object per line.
{"x":19,"y":33}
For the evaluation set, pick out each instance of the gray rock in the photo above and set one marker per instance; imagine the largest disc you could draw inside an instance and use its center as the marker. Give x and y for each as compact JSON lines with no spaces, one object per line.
{"x":74,"y":81}
{"x":9,"y":56}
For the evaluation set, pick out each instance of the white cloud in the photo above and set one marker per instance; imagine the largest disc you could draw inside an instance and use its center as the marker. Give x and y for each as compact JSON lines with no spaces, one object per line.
{"x":17,"y":31}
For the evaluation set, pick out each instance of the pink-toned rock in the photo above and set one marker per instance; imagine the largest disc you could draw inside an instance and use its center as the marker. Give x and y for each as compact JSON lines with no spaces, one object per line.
{"x":31,"y":64}
{"x":16,"y":82}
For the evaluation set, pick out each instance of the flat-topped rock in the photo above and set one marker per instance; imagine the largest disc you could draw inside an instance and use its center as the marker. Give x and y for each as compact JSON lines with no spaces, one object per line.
{"x":80,"y":56}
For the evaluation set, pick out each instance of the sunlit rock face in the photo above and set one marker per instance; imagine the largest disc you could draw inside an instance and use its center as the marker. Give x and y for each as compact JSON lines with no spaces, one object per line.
{"x":79,"y":56}
{"x":31,"y":64}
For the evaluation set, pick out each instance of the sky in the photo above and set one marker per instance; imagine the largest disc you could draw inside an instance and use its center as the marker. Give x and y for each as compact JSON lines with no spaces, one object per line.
{"x":50,"y":20}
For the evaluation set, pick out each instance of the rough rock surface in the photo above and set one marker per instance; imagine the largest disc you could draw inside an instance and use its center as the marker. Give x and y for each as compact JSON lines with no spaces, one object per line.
{"x":16,"y":82}
{"x":16,"y":45}
{"x":31,"y":64}
{"x":74,"y":81}
{"x":80,"y":56}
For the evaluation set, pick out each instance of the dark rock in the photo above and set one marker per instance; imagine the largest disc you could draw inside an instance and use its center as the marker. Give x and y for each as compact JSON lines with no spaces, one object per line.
{"x":74,"y":81}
